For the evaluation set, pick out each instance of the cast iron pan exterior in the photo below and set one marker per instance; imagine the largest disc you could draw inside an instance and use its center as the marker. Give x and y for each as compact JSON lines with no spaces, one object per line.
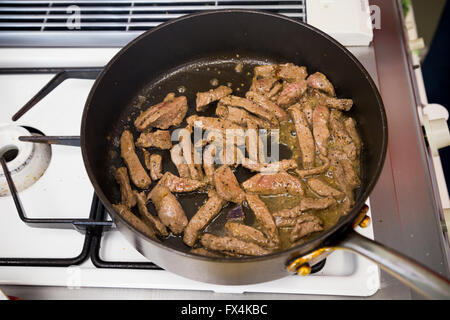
{"x":209,"y":37}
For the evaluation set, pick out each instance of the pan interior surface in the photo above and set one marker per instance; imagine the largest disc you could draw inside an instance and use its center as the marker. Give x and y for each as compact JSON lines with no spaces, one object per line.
{"x":197,"y":56}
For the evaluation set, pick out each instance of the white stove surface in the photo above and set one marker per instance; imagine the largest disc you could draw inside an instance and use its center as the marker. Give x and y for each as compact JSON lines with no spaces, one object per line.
{"x":65,"y":191}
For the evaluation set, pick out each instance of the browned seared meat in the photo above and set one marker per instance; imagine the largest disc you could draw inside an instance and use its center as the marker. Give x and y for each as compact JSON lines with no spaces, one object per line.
{"x":155,"y":166}
{"x":320,"y":82}
{"x":341,"y":138}
{"x":177,"y":184}
{"x":168,"y":113}
{"x":276,"y":183}
{"x":204,"y":215}
{"x":282,"y":165}
{"x":291,"y":72}
{"x":304,"y":136}
{"x":291,"y":213}
{"x":240,"y":116}
{"x":227,"y":185}
{"x":307,"y":108}
{"x":332,"y":102}
{"x":316,"y":170}
{"x":152,"y":220}
{"x":273,"y":93}
{"x":282,"y":222}
{"x":208,"y":161}
{"x":265,"y":71}
{"x":137,"y":223}
{"x":138,"y":174}
{"x":249,"y":234}
{"x":206,"y":253}
{"x":232,"y":245}
{"x":205,"y":98}
{"x":169,"y":209}
{"x":291,"y":93}
{"x":350,"y":126}
{"x":210,"y":123}
{"x":176,"y":154}
{"x":316,"y":204}
{"x":323,"y":189}
{"x":267,"y":105}
{"x":127,"y":196}
{"x":320,"y":128}
{"x":159,"y":139}
{"x":306,"y":224}
{"x":263,"y":85}
{"x":147,"y":156}
{"x":248,"y":105}
{"x":263,"y":217}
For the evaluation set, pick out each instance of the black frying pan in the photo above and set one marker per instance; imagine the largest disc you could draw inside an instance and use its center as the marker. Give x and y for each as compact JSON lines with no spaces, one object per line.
{"x":167,"y":57}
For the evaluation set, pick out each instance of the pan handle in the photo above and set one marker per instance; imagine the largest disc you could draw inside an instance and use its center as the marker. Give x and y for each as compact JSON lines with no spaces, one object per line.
{"x":413,"y":274}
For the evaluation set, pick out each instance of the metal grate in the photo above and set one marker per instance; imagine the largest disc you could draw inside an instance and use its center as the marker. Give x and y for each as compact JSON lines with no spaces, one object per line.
{"x":108,"y":23}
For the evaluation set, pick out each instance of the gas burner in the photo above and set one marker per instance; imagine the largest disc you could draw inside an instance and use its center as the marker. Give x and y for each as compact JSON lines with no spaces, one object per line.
{"x":26,"y":161}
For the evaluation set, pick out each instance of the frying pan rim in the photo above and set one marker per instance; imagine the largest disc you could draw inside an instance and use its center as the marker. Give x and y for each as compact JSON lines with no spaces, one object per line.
{"x":321,"y":238}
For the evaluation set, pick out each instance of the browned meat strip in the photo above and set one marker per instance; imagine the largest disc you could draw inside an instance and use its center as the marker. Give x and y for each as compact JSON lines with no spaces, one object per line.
{"x":282,"y":165}
{"x":227,"y":185}
{"x":282,"y":222}
{"x":138,"y":174}
{"x":320,"y":82}
{"x":205,"y":98}
{"x":291,"y":72}
{"x":176,"y":154}
{"x":127,"y":196}
{"x":307,"y":109}
{"x":146,"y":159}
{"x":241,"y":117}
{"x":273,"y":93}
{"x":305,"y":137}
{"x":155,"y":166}
{"x":291,"y":213}
{"x":320,"y":128}
{"x":206,"y":253}
{"x":332,"y":102}
{"x":263,"y":85}
{"x":177,"y":184}
{"x":208,"y":161}
{"x":341,"y":138}
{"x":158,"y":139}
{"x":265,"y":71}
{"x":169,"y":209}
{"x":137,"y":223}
{"x":350,"y":126}
{"x":263,"y":217}
{"x":210,"y":123}
{"x":324,"y":189}
{"x":249,"y":234}
{"x":168,"y":113}
{"x":316,"y":170}
{"x":306,"y":224}
{"x":267,"y":105}
{"x":316,"y":204}
{"x":248,"y":105}
{"x":152,"y":220}
{"x":277,"y":183}
{"x":232,"y":245}
{"x":291,"y":93}
{"x":203,"y":216}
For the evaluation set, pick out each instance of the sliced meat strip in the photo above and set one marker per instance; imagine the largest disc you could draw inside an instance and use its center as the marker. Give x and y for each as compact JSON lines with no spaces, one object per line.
{"x":204,"y":215}
{"x":341,"y":138}
{"x":350,"y":126}
{"x":282,"y":222}
{"x":155,"y":166}
{"x":319,"y":81}
{"x":265,"y":71}
{"x":248,"y":105}
{"x":152,"y":220}
{"x":249,"y":234}
{"x":316,"y":204}
{"x":307,"y":108}
{"x":146,"y":159}
{"x":349,"y":171}
{"x":291,"y":93}
{"x":240,"y":116}
{"x":263,"y":85}
{"x":291,"y":72}
{"x":158,"y":139}
{"x":206,"y":253}
{"x":276,"y":183}
{"x":138,"y":174}
{"x":137,"y":223}
{"x":273,"y":167}
{"x":273,"y":93}
{"x":212,"y":124}
{"x":267,"y":105}
{"x":291,"y":213}
{"x":176,"y":154}
{"x":127,"y":196}
{"x":263,"y":217}
{"x":316,"y":170}
{"x":227,"y":185}
{"x":305,"y":137}
{"x":170,"y":112}
{"x":332,"y":102}
{"x":323,"y":189}
{"x":177,"y":184}
{"x":169,"y":209}
{"x":205,"y":98}
{"x":232,"y":245}
{"x":195,"y":171}
{"x":306,"y":224}
{"x":208,"y":161}
{"x":320,"y":128}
